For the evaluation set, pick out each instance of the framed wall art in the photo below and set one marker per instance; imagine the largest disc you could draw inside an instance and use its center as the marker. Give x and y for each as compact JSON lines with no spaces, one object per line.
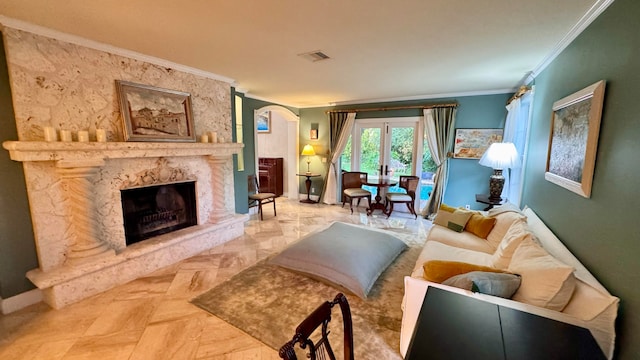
{"x":263,"y":123}
{"x":155,"y":114}
{"x":313,"y":132}
{"x":472,"y":143}
{"x":573,"y":140}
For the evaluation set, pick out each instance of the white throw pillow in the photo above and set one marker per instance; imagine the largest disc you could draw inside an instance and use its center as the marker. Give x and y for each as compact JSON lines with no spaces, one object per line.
{"x":515,"y":235}
{"x":504,"y":221}
{"x":546,"y":282}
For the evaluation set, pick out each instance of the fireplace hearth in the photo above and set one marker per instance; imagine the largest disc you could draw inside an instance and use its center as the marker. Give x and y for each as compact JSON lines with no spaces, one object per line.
{"x":154,"y":210}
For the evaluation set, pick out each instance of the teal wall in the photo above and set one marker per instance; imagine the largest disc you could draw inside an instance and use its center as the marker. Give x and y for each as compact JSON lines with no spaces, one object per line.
{"x":601,"y":231}
{"x":466,"y":177}
{"x":17,"y":246}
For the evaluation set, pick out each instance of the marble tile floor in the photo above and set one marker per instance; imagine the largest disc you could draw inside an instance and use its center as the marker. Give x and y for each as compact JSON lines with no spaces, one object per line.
{"x":151,"y":317}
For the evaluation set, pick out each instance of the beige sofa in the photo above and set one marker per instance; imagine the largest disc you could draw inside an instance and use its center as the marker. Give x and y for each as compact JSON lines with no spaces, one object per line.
{"x":519,"y":239}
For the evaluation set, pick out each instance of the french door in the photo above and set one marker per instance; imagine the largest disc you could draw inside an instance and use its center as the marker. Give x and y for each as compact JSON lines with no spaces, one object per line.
{"x":386,"y":147}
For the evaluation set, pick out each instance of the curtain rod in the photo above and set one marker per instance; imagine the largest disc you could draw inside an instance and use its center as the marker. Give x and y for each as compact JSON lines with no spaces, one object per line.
{"x":394,"y":108}
{"x":521,"y":91}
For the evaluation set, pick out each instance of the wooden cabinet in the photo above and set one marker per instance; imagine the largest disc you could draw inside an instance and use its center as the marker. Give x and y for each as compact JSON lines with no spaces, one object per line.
{"x":270,"y":175}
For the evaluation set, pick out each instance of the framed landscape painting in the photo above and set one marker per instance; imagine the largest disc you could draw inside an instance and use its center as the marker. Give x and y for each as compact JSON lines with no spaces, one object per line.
{"x":573,"y":140}
{"x":155,"y":114}
{"x":472,"y":143}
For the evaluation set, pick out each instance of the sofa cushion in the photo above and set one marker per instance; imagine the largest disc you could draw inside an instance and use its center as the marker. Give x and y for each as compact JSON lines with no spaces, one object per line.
{"x":503,"y":223}
{"x":480,"y":225}
{"x":546,"y":282}
{"x":490,"y":283}
{"x":465,"y":239}
{"x":434,"y":250}
{"x":441,"y":270}
{"x":515,"y":235}
{"x":453,"y":220}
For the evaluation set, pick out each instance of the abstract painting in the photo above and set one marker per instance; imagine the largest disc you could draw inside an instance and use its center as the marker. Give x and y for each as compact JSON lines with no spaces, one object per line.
{"x":573,"y":141}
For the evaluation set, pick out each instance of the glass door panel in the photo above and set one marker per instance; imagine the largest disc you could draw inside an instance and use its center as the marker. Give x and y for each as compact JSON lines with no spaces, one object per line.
{"x":384,"y":148}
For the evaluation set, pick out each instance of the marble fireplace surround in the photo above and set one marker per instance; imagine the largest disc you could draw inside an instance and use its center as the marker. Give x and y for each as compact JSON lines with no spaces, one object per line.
{"x":74,"y":196}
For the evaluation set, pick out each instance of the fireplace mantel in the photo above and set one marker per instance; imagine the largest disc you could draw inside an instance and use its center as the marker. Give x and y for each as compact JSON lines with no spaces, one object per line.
{"x":97,"y":151}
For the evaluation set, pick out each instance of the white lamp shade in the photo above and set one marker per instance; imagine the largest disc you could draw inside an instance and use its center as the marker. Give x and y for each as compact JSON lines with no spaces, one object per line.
{"x":500,"y":156}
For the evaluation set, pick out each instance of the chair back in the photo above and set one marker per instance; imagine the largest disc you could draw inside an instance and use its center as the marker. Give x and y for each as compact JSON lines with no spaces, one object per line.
{"x":410,"y":184}
{"x":353,"y":179}
{"x":320,"y":318}
{"x":252,"y":183}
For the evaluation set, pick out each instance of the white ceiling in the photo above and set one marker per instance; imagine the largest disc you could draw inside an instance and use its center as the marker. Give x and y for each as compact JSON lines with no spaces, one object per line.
{"x":379,"y":49}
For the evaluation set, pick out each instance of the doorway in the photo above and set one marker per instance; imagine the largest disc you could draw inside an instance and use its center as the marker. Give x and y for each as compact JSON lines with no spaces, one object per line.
{"x":280,"y":142}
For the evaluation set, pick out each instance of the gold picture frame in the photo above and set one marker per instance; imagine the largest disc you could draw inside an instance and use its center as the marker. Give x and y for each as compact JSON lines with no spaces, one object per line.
{"x":154,"y":114}
{"x":573,"y":139}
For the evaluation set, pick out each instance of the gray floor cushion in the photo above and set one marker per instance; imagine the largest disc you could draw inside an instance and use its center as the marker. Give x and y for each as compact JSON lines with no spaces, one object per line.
{"x":346,"y":255}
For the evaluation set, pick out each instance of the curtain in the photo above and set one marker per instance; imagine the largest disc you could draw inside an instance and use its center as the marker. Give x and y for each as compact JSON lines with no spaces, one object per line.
{"x":439,"y":125}
{"x":340,"y":125}
{"x":516,"y":129}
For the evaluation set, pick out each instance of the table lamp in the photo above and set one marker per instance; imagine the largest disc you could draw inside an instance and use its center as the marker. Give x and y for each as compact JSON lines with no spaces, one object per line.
{"x":308,"y":151}
{"x":499,"y":156}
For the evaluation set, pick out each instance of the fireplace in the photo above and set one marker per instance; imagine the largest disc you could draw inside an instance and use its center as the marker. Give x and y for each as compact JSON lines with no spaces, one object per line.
{"x":81,"y":191}
{"x":154,"y":210}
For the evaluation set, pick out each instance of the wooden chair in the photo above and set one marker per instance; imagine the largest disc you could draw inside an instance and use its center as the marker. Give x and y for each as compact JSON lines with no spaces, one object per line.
{"x":409,"y":184}
{"x":352,"y":188}
{"x":321,"y":349}
{"x":256,"y":198}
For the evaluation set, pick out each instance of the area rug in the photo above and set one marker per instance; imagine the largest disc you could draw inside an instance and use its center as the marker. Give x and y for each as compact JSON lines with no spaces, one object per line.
{"x":268,"y":302}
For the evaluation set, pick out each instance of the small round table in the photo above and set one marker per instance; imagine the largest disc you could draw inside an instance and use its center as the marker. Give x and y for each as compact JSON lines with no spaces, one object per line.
{"x":307,"y":183}
{"x":380,"y":183}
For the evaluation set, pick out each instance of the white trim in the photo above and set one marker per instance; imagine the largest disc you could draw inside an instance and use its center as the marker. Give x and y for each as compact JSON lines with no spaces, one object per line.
{"x":77,"y":40}
{"x":20,"y":301}
{"x":426,"y":97}
{"x":275,"y":102}
{"x":598,"y":8}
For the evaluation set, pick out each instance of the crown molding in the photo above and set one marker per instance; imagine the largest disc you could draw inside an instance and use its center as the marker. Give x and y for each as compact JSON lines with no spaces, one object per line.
{"x":77,"y":40}
{"x":425,"y":97}
{"x":596,"y":10}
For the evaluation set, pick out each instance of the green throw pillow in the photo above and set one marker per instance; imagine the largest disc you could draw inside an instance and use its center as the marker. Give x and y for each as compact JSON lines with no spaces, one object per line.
{"x":453,"y":220}
{"x":497,"y":284}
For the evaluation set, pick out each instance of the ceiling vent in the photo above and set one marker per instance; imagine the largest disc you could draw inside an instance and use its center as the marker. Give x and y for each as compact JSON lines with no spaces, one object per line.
{"x":314,"y":56}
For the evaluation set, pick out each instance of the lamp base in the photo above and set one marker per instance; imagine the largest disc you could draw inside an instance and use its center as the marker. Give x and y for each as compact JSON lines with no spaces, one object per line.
{"x":496,"y":184}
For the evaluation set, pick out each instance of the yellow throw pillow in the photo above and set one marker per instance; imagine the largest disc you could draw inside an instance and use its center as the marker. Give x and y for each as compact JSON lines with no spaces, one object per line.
{"x":455,"y":220}
{"x":480,"y":225}
{"x":440,"y":270}
{"x":448,"y":208}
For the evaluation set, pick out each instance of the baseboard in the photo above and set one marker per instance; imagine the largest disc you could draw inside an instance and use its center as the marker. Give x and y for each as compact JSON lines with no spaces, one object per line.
{"x":20,"y":301}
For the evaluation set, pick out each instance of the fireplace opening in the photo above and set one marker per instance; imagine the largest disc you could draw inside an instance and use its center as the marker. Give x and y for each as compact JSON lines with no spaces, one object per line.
{"x":155,"y":210}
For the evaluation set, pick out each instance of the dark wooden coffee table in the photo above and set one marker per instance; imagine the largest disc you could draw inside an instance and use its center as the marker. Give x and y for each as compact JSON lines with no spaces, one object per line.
{"x":454,"y":326}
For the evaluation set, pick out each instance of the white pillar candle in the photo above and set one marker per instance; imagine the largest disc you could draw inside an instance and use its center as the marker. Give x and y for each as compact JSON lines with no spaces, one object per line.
{"x":221,"y":139}
{"x":65,"y":135}
{"x":204,"y":138}
{"x":213,"y":137}
{"x":50,"y":134}
{"x":83,"y":136}
{"x":101,"y":135}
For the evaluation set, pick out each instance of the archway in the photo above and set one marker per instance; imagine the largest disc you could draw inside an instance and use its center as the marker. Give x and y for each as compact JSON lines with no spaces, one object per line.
{"x":287,"y":135}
